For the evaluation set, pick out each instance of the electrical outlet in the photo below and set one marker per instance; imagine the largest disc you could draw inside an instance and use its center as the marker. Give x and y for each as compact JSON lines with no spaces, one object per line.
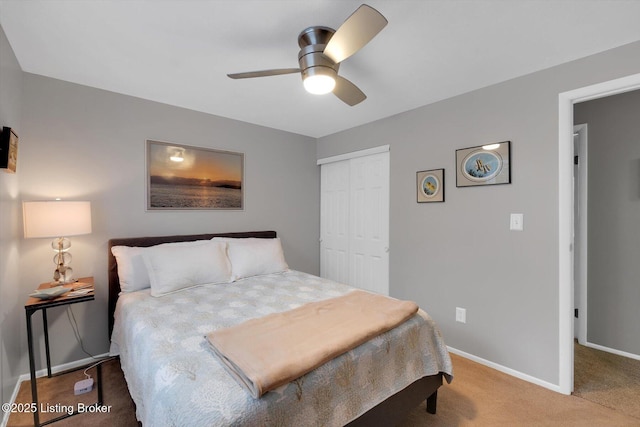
{"x":461,"y":315}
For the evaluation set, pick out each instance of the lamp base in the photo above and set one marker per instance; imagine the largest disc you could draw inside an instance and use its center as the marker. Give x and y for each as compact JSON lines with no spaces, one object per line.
{"x":62,"y":275}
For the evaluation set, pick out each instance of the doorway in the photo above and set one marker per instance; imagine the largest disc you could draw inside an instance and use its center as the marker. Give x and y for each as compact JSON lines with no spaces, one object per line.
{"x":603,"y":373}
{"x":566,"y":100}
{"x":613,"y":235}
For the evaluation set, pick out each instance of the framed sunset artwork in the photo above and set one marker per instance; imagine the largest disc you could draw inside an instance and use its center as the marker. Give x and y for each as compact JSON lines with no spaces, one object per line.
{"x":185,"y":177}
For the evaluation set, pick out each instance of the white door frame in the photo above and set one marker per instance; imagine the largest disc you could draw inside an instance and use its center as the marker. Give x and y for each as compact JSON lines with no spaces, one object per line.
{"x":566,"y":100}
{"x":581,"y":231}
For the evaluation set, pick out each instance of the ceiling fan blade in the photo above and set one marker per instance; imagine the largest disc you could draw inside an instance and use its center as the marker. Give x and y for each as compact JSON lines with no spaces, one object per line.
{"x":348,"y":92}
{"x":355,"y":33}
{"x":264,"y":73}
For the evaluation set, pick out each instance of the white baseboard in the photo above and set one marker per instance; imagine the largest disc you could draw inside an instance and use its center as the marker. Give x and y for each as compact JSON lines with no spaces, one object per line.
{"x":43,"y":372}
{"x":504,"y":369}
{"x":611,"y":350}
{"x":5,"y":415}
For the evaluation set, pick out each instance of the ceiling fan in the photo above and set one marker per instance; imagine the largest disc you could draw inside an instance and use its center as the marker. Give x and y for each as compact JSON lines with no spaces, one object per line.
{"x":322,"y":49}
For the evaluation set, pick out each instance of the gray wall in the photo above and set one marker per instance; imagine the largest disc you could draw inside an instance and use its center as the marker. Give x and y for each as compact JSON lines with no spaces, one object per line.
{"x":87,"y":144}
{"x":461,"y":253}
{"x":614,"y":220}
{"x":11,"y":310}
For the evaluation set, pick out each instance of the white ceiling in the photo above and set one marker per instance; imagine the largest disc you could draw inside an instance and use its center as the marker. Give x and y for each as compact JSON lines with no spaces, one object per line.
{"x":179,"y":52}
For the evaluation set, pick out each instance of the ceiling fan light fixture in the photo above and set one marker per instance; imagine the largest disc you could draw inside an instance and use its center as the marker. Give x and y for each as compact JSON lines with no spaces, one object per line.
{"x":319,"y":84}
{"x":319,"y":80}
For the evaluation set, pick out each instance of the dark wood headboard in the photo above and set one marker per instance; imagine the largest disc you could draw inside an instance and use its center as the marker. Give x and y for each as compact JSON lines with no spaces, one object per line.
{"x":114,"y":280}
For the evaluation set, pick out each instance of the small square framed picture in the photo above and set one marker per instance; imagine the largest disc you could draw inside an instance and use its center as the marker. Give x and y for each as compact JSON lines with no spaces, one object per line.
{"x":430,"y":186}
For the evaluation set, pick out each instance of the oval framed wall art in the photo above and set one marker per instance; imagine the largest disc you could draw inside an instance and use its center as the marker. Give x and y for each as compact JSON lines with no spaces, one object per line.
{"x":430,"y":186}
{"x":484,"y":165}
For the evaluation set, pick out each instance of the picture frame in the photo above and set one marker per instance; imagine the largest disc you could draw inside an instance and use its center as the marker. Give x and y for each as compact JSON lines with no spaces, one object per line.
{"x":484,"y":165}
{"x":8,"y":150}
{"x":430,"y":186}
{"x":183,"y":177}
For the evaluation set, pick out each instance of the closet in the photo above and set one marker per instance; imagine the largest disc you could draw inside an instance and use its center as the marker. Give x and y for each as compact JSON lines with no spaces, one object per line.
{"x":354,"y":219}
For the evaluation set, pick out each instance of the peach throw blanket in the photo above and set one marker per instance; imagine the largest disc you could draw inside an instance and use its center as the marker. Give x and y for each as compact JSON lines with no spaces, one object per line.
{"x":265,"y":353}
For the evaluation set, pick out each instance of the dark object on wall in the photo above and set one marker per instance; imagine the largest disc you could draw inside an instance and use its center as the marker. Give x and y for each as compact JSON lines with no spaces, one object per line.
{"x":8,"y":150}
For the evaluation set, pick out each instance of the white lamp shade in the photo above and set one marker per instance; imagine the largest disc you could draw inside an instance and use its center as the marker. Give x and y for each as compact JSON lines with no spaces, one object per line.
{"x":56,"y":218}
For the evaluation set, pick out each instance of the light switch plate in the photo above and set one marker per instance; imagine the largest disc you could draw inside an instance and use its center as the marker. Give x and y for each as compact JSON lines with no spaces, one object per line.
{"x":517,"y":222}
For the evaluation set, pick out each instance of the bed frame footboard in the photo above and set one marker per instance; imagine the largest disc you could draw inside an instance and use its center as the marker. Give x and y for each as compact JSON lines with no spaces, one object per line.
{"x":395,"y":409}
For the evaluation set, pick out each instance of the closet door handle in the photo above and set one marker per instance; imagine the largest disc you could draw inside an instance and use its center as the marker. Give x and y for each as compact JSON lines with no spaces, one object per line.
{"x":386,"y":249}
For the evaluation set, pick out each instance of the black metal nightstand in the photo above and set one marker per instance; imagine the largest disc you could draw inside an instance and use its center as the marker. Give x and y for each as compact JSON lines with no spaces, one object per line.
{"x":35,"y":304}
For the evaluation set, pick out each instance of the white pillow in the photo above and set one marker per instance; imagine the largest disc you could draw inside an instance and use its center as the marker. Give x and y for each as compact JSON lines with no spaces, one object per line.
{"x":131,"y":269}
{"x":254,"y":256}
{"x":173,"y":268}
{"x":132,"y":272}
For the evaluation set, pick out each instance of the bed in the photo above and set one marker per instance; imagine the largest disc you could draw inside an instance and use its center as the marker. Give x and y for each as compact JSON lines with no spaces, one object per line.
{"x":174,"y":379}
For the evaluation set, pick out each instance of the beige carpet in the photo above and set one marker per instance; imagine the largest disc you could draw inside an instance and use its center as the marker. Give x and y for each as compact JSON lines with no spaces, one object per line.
{"x":481,"y":396}
{"x":478,"y":396}
{"x":607,"y":379}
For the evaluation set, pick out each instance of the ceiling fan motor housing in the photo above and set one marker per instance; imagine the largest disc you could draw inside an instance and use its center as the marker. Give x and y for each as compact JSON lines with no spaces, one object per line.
{"x":312,"y":42}
{"x":315,"y":35}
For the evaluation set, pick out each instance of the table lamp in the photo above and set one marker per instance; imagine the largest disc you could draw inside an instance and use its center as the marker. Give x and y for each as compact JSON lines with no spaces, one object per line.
{"x":59,"y":219}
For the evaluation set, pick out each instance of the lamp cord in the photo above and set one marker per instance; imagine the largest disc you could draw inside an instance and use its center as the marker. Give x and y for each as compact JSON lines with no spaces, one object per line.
{"x":98,"y":363}
{"x":76,"y":332}
{"x":74,"y":326}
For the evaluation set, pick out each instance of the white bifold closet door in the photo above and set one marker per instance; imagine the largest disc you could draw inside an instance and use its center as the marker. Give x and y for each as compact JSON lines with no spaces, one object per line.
{"x":354,"y":221}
